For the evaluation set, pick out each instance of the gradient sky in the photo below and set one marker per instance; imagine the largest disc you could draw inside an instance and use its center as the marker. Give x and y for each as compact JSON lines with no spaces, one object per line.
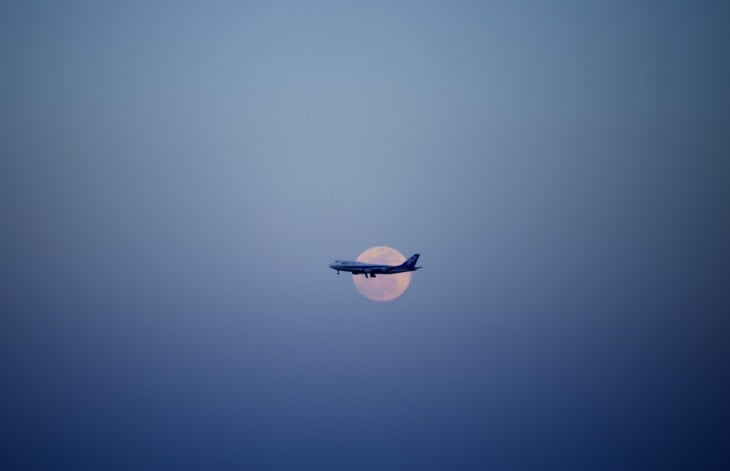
{"x":176,"y":178}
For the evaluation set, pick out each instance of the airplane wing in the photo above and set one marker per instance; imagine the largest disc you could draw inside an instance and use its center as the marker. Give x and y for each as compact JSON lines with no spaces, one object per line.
{"x":376,"y":269}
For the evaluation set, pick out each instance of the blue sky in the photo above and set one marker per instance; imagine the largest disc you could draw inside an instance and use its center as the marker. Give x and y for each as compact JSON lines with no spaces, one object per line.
{"x":176,"y":179}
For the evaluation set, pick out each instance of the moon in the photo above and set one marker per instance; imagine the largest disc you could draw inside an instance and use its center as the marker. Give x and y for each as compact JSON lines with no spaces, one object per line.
{"x":382,"y":287}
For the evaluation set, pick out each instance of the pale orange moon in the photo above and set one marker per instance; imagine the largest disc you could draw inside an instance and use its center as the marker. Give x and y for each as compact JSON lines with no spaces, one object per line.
{"x":382,"y":287}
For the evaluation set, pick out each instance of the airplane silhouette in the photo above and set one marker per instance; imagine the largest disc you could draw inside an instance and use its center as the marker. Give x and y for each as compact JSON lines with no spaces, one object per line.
{"x":370,"y":269}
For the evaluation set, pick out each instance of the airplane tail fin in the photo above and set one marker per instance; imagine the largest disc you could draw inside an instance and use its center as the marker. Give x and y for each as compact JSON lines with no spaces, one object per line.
{"x":411,"y":262}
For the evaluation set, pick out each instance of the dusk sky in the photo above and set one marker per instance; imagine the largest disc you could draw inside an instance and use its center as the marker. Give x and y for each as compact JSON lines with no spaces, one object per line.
{"x":175,"y":179}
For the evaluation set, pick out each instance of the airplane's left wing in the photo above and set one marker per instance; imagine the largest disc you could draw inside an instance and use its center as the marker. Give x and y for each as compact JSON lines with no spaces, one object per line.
{"x":375,"y":269}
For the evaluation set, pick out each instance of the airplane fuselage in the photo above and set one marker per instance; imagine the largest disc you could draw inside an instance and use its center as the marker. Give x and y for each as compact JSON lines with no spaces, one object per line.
{"x":370,"y":269}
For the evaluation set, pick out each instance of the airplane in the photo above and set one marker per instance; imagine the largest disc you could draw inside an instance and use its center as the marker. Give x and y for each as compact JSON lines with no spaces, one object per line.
{"x":370,"y":270}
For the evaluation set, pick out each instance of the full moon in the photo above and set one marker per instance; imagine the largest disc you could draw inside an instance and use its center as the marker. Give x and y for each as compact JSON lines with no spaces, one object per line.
{"x":382,"y":287}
